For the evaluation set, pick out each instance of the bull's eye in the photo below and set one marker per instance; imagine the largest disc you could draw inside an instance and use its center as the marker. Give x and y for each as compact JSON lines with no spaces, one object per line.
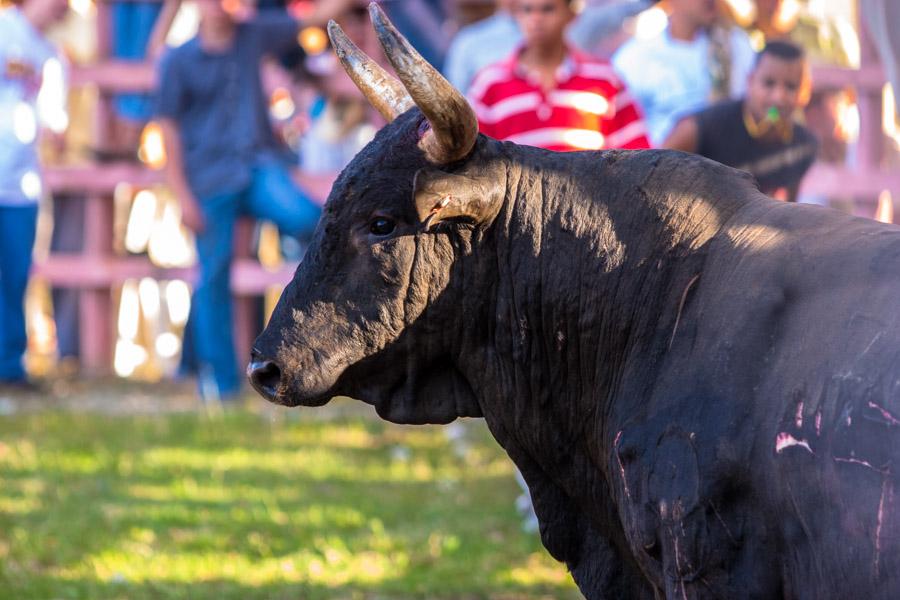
{"x":382,"y":226}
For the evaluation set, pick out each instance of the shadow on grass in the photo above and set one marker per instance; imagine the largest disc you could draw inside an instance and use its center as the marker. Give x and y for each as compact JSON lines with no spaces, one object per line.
{"x":179,"y":506}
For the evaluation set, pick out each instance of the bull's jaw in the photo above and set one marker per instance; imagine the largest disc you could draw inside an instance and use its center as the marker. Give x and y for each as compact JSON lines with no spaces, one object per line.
{"x":294,"y":400}
{"x":435,"y":393}
{"x":432,"y":393}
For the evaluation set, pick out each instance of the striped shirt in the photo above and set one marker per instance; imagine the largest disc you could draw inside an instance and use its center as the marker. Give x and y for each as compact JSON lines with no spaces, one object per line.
{"x":588,"y":109}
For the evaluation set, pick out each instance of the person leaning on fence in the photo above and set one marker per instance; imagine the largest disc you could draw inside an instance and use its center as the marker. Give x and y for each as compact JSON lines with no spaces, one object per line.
{"x":224,"y":161}
{"x":758,"y":133}
{"x":29,"y":66}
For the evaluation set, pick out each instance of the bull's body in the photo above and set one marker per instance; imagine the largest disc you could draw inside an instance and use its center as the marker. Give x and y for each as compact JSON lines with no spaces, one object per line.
{"x":699,"y":384}
{"x":715,"y":413}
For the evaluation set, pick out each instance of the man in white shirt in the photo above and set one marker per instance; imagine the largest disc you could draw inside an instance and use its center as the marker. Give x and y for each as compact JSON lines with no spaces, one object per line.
{"x":692,"y":63}
{"x":31,"y":90}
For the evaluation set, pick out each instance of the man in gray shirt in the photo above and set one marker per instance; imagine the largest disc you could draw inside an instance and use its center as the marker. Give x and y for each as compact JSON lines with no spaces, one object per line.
{"x":223,"y":161}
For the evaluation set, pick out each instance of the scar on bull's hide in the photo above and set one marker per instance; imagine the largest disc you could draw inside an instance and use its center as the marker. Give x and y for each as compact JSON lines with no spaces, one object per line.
{"x":681,"y":306}
{"x":785,"y":440}
{"x":889,"y":419}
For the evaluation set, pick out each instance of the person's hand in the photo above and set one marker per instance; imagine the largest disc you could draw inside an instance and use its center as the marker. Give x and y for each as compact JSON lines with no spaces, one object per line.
{"x":191,"y":213}
{"x":56,"y":141}
{"x":19,"y":69}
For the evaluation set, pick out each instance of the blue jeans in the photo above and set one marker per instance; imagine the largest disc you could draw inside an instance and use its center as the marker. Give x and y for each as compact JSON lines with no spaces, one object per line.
{"x":133,"y":22}
{"x":272,"y":196}
{"x":17,"y":228}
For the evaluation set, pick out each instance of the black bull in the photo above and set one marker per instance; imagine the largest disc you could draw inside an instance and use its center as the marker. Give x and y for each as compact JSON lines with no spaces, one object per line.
{"x":700,"y":385}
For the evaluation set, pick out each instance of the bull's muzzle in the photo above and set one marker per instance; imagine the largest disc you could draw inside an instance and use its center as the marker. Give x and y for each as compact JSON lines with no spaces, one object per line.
{"x":264,"y":376}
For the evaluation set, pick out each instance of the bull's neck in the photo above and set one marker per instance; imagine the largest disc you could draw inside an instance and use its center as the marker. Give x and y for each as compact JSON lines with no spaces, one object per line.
{"x":599,"y":248}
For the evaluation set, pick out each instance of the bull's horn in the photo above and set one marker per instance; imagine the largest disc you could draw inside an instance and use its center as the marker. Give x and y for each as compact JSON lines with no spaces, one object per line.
{"x":454,"y":127}
{"x":380,"y":88}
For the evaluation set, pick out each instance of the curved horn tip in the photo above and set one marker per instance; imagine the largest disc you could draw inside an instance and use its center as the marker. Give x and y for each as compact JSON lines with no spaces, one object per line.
{"x":333,"y":29}
{"x":376,"y":12}
{"x":338,"y":38}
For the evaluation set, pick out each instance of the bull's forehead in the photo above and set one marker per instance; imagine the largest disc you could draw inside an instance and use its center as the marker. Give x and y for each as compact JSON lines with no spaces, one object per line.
{"x":383,"y":170}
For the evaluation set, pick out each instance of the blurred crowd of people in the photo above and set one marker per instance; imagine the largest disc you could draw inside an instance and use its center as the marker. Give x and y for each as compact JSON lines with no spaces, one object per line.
{"x":558,"y":74}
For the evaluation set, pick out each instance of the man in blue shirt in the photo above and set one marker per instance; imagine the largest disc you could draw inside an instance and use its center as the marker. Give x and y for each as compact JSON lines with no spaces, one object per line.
{"x":28,"y":65}
{"x":224,"y":161}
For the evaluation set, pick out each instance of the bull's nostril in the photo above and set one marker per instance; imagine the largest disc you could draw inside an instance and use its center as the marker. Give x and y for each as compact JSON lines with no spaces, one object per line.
{"x":265,"y":376}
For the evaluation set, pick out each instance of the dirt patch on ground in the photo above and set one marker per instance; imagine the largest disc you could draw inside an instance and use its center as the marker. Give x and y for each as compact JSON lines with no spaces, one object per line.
{"x":116,"y":396}
{"x":102,"y":394}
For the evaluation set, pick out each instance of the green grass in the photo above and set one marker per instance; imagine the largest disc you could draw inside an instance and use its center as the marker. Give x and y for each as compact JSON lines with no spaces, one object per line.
{"x":245,"y":506}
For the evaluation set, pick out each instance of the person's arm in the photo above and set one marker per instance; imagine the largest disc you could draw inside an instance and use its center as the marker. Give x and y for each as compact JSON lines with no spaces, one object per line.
{"x":53,"y":96}
{"x":479,"y":99}
{"x":157,"y":42}
{"x":743,"y":57}
{"x":599,"y":21}
{"x":792,"y":192}
{"x":317,"y":185}
{"x":683,"y":136}
{"x":812,"y":147}
{"x":191,"y":214}
{"x":455,"y":68}
{"x":171,"y":102}
{"x":278,"y":30}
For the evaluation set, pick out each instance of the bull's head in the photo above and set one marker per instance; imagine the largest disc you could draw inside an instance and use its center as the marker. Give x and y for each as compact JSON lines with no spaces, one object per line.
{"x":376,"y":307}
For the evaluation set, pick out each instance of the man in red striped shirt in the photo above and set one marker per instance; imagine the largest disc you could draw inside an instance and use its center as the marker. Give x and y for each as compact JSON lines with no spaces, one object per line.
{"x":552,"y":96}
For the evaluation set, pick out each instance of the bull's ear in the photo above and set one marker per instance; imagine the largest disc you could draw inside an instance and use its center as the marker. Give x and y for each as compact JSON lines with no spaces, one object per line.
{"x":440,"y":196}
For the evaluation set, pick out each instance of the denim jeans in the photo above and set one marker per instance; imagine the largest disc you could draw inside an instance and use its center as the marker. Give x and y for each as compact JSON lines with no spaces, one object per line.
{"x":132,"y":24}
{"x":17,"y":228}
{"x":272,"y":196}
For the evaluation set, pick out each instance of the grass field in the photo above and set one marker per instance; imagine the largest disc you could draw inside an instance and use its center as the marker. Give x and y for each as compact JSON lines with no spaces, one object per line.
{"x":250,"y":506}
